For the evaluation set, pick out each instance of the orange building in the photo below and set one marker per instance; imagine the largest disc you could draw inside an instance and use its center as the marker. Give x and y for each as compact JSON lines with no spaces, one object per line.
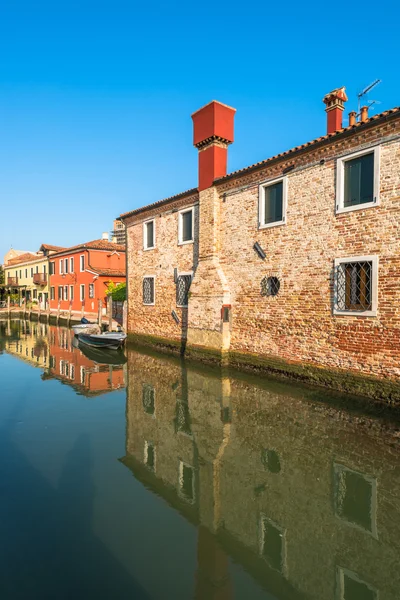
{"x":79,"y":275}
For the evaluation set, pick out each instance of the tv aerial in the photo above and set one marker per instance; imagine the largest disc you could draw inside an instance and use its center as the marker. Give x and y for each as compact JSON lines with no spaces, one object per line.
{"x":365,"y":91}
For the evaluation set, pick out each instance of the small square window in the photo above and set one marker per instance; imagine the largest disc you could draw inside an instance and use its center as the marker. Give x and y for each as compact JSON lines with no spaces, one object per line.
{"x":185,"y":226}
{"x":149,"y":235}
{"x":357,"y":182}
{"x":272,"y":203}
{"x":182,"y":289}
{"x":148,"y":290}
{"x":355,"y":498}
{"x":355,"y":286}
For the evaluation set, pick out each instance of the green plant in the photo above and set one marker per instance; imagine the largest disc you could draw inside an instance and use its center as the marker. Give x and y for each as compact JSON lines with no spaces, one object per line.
{"x":116,"y":291}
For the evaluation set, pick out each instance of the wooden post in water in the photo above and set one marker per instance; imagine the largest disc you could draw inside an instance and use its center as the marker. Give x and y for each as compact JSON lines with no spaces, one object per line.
{"x":39,"y":311}
{"x":48,"y":311}
{"x":83,"y":309}
{"x":110,"y":311}
{"x":100,"y":312}
{"x":69,"y":314}
{"x":9,"y":305}
{"x":125,"y":316}
{"x":58,"y":313}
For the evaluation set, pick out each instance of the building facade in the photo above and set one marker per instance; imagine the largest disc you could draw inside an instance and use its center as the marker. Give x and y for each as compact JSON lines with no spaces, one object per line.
{"x":79,"y":275}
{"x":292,"y":263}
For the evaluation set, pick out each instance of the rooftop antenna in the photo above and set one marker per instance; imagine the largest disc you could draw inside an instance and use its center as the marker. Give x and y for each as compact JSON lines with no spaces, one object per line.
{"x":365,"y":91}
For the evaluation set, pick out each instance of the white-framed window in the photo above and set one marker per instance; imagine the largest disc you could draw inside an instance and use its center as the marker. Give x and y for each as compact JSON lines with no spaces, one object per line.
{"x":186,"y":226}
{"x":65,"y":292}
{"x":60,"y":292}
{"x":31,"y":271}
{"x":149,"y":293}
{"x":91,"y":290}
{"x":186,"y":482}
{"x":82,"y":372}
{"x":82,"y":292}
{"x":52,"y":269}
{"x":272,"y":202}
{"x":71,"y":292}
{"x":26,"y":273}
{"x":356,"y":286}
{"x":82,"y":262}
{"x":149,"y":235}
{"x":357,"y":180}
{"x":71,"y":265}
{"x":66,"y":265}
{"x":52,"y":293}
{"x":273,"y":544}
{"x":350,"y":586}
{"x":183,"y":282}
{"x":61,"y":266}
{"x":72,"y":372}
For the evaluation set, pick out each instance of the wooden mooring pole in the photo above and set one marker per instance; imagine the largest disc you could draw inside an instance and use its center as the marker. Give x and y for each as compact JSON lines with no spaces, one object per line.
{"x":100,"y":312}
{"x":110,"y":312}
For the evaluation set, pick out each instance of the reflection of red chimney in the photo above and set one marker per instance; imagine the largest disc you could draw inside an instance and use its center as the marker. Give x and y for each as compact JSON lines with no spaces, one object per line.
{"x":364,"y":113}
{"x":212,"y":133}
{"x":334,"y":108}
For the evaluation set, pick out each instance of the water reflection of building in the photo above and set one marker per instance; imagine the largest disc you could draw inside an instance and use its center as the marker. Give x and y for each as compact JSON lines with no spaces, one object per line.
{"x":69,"y":365}
{"x":54,"y":350}
{"x":303,"y":494}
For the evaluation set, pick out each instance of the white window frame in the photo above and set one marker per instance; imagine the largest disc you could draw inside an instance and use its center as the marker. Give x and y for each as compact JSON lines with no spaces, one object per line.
{"x":71,"y":265}
{"x":66,"y":266}
{"x":154,"y":289}
{"x":340,"y":208}
{"x":145,"y":244}
{"x":91,"y":286}
{"x":80,"y":263}
{"x":60,"y":298}
{"x":340,"y":575}
{"x":191,"y":279}
{"x":180,"y":228}
{"x":82,"y":296}
{"x":374,"y":286}
{"x":180,"y":482}
{"x":261,"y":203}
{"x":65,"y":292}
{"x":71,"y":293}
{"x":282,"y":530}
{"x":61,"y":266}
{"x":52,"y":293}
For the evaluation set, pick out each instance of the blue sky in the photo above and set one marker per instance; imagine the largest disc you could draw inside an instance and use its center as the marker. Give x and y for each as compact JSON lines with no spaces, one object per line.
{"x":96,"y":97}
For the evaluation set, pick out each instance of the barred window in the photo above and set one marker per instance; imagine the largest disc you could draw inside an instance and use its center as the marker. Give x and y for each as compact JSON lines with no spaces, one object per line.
{"x":91,"y":290}
{"x":355,"y":285}
{"x":270,"y":286}
{"x":148,"y":290}
{"x":148,"y":398}
{"x":182,"y":289}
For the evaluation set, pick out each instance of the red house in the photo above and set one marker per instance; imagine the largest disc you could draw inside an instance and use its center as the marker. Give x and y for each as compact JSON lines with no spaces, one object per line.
{"x":79,"y":275}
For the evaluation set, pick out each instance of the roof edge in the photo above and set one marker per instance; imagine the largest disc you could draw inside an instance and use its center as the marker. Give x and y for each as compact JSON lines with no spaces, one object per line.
{"x":163,"y":202}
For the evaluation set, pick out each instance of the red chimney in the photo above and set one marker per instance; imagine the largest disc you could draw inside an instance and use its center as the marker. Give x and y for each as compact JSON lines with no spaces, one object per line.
{"x":212,"y":133}
{"x":334,"y":108}
{"x":364,"y":113}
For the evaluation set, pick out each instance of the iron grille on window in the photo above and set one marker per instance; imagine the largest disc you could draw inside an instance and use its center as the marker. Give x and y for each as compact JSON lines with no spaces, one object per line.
{"x":148,"y":290}
{"x":270,"y":286}
{"x":182,"y":289}
{"x":148,"y":398}
{"x":353,"y":286}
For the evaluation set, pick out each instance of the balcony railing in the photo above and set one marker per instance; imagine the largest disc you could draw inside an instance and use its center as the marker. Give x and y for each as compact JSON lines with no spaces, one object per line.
{"x":12,"y":280}
{"x":40,"y":278}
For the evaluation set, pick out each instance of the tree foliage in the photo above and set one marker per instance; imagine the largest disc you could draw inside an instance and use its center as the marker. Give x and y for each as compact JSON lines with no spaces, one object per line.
{"x":1,"y":275}
{"x":117,"y":291}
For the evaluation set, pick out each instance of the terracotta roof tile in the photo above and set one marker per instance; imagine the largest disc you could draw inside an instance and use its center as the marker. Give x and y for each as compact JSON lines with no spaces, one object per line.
{"x":94,"y":245}
{"x":50,"y":247}
{"x":109,"y":272}
{"x":159,"y":203}
{"x":322,"y":138}
{"x":22,"y":258}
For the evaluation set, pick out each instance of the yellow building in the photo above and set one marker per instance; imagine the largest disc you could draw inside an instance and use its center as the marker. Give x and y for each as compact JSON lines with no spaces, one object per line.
{"x":28,"y":275}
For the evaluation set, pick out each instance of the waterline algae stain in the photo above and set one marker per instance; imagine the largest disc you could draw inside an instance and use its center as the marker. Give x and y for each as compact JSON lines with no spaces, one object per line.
{"x":147,"y":477}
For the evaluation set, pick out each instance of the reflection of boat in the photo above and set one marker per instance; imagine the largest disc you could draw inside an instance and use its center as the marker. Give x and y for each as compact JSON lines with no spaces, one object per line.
{"x":100,"y":356}
{"x":103,"y":340}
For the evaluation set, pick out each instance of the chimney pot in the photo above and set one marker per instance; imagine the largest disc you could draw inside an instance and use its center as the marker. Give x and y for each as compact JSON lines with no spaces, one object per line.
{"x":364,"y":114}
{"x":212,"y":133}
{"x":105,"y":236}
{"x":334,"y":102}
{"x":352,"y":118}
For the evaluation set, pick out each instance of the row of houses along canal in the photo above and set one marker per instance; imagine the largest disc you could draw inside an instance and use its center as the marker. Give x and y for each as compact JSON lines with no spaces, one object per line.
{"x":152,"y":477}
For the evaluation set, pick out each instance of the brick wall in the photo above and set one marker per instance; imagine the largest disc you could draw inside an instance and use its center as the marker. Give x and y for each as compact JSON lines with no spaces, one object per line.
{"x":297,"y":325}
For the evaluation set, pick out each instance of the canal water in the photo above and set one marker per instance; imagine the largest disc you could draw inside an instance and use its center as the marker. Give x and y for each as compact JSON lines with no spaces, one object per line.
{"x":140,"y":476}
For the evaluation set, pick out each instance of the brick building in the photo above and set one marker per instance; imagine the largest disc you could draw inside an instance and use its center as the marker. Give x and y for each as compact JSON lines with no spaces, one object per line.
{"x":79,"y":275}
{"x":292,"y":263}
